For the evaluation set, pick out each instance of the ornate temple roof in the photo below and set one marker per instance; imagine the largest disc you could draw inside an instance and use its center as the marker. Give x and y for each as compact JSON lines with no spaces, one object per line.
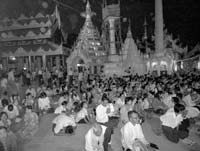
{"x":88,"y":41}
{"x":29,"y":33}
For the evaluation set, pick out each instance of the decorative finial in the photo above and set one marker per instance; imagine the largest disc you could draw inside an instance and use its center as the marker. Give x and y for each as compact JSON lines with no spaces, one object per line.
{"x":129,"y":33}
{"x":88,"y":13}
{"x":145,"y":29}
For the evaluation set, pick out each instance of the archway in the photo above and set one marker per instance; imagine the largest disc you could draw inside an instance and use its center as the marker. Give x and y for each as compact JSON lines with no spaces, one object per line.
{"x":78,"y":64}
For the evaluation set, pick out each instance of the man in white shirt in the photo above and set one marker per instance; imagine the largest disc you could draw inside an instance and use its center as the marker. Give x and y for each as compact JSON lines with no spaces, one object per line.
{"x":63,"y":124}
{"x":132,"y":135}
{"x":94,"y":138}
{"x":102,"y":116}
{"x":173,"y":124}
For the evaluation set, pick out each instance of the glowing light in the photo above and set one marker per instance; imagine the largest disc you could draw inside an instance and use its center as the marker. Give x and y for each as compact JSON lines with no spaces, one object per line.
{"x":198,"y":65}
{"x":154,"y":64}
{"x":13,"y":58}
{"x":181,"y":64}
{"x":175,"y":66}
{"x":163,"y":63}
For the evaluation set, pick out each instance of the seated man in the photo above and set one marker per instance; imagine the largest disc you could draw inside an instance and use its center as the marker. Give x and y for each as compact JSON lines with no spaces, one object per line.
{"x":63,"y":124}
{"x":132,"y":135}
{"x":94,"y":138}
{"x":173,"y":124}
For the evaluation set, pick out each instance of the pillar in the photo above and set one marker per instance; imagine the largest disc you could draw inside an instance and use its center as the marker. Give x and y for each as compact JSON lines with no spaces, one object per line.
{"x":29,"y":63}
{"x":57,"y":61}
{"x":112,"y":36}
{"x":159,"y":26}
{"x":44,"y":61}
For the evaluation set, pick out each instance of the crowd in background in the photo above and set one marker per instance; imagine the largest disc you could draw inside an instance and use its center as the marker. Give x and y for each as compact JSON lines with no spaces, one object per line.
{"x":170,"y":103}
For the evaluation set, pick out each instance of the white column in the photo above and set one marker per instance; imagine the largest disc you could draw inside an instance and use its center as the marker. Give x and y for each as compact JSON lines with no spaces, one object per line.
{"x":57,"y":61}
{"x":159,"y":26}
{"x":112,"y":36}
{"x":44,"y":61}
{"x":29,"y":63}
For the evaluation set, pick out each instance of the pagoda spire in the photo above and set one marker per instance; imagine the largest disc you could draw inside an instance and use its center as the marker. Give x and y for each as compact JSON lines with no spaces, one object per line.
{"x":145,"y":29}
{"x":88,"y":13}
{"x":129,"y":33}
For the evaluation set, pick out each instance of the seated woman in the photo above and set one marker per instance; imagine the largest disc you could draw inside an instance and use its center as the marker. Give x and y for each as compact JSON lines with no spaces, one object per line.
{"x":12,"y":111}
{"x":31,"y":123}
{"x":82,"y":115}
{"x":4,"y":121}
{"x":43,"y":103}
{"x":28,"y":100}
{"x":63,"y":124}
{"x":174,"y":126}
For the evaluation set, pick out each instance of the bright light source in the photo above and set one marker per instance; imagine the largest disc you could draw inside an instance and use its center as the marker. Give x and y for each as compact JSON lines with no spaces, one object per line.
{"x":181,"y":64}
{"x":198,"y":65}
{"x":13,"y":58}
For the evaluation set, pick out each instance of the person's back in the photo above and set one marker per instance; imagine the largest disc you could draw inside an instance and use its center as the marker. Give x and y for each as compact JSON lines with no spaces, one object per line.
{"x":62,"y":121}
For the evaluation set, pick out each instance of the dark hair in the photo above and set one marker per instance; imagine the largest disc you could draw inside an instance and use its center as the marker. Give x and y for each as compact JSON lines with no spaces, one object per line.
{"x":43,"y":95}
{"x":4,"y":102}
{"x":131,"y":112}
{"x":178,"y":108}
{"x":28,"y":94}
{"x":64,"y":103}
{"x":69,"y":130}
{"x":65,"y":93}
{"x":127,"y":99}
{"x":175,"y":100}
{"x":29,"y":107}
{"x":3,"y":127}
{"x":104,"y":97}
{"x":3,"y":113}
{"x":10,"y":107}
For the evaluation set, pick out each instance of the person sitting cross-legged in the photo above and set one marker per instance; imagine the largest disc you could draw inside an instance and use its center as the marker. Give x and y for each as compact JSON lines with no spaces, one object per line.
{"x":174,"y":126}
{"x":132,"y":136}
{"x":94,"y":138}
{"x":31,"y":123}
{"x":63,"y":124}
{"x":82,"y":116}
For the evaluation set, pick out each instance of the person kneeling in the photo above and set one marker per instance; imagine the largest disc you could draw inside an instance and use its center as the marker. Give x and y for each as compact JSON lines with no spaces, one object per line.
{"x":63,"y":124}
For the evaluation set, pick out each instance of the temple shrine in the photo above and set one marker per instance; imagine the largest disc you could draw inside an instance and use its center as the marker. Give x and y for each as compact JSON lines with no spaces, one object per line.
{"x":29,"y":42}
{"x":87,"y":54}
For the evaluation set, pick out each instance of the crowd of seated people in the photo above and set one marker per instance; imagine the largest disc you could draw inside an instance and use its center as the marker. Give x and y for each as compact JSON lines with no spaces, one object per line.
{"x":106,"y":103}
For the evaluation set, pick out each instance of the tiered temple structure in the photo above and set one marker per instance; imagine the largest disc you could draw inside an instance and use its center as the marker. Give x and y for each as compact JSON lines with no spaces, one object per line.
{"x":28,"y":42}
{"x":87,"y":53}
{"x":132,"y":58}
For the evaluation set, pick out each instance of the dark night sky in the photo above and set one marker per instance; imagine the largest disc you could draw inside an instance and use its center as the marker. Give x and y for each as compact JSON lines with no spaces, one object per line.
{"x":181,"y":17}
